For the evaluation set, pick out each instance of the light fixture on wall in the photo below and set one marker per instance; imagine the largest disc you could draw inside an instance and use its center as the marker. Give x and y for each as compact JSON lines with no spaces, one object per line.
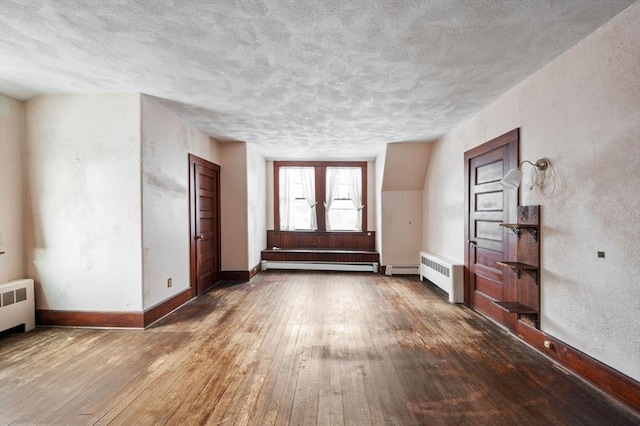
{"x":538,"y":174}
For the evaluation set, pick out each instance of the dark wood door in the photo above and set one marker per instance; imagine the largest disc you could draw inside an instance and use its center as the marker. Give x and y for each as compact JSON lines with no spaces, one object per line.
{"x":488,"y":205}
{"x":205,"y":224}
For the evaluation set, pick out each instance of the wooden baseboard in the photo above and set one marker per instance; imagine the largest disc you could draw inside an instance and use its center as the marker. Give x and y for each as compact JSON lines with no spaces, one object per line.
{"x":158,"y":311}
{"x":617,"y":385}
{"x":255,"y":270}
{"x":241,"y":276}
{"x":89,"y":319}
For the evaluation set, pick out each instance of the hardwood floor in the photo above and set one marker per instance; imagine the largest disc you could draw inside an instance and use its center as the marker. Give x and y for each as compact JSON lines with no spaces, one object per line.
{"x":296,"y":348}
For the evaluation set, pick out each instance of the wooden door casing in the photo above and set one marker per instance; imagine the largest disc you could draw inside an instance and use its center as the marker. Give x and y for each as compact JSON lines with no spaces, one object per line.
{"x":487,"y":204}
{"x":204,"y":189}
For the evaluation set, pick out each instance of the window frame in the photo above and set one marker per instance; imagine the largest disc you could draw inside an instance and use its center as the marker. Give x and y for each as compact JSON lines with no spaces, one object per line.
{"x":320,"y":181}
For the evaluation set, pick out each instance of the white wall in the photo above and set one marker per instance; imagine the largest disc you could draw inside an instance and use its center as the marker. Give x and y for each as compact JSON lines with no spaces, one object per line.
{"x":83,"y":227}
{"x":582,"y":111}
{"x":372,"y":195}
{"x":256,"y":206}
{"x":380,"y":165}
{"x":401,"y":227}
{"x":167,"y":141}
{"x":12,"y":265}
{"x":233,"y":189}
{"x":404,"y":166}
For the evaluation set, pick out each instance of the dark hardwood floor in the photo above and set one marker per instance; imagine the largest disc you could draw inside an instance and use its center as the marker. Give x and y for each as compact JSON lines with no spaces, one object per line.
{"x":297,"y":348}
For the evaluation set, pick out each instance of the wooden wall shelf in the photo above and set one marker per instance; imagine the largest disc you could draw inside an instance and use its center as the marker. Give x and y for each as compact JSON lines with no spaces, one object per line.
{"x":520,"y":267}
{"x":516,"y":308}
{"x":518,"y":228}
{"x":525,"y":296}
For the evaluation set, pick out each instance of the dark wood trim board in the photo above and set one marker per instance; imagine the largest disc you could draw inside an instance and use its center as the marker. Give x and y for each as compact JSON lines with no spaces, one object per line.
{"x":612,"y":382}
{"x":89,"y":319}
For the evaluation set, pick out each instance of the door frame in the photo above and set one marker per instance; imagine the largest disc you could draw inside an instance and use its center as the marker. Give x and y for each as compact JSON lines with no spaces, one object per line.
{"x":193,"y":249}
{"x":512,"y":139}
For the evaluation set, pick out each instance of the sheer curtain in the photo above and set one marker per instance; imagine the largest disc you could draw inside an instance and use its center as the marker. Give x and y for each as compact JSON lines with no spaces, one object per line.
{"x":289,"y":177}
{"x":333,"y":175}
{"x":354,"y":182}
{"x":307,"y":177}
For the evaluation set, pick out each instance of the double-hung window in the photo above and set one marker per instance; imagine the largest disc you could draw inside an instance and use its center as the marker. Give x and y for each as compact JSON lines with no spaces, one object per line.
{"x":297,"y":199}
{"x":320,"y":196}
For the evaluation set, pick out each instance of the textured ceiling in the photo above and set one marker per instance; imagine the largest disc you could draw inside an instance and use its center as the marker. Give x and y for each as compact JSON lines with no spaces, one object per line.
{"x":300,"y":78}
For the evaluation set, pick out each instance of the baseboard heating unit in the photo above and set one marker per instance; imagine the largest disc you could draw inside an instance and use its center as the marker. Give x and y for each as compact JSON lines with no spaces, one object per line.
{"x":17,"y":305}
{"x":320,"y":266}
{"x":445,"y":274}
{"x":401,"y":270}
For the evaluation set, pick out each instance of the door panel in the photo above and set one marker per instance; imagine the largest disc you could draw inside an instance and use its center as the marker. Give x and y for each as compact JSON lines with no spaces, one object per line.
{"x":489,"y":201}
{"x":488,"y":205}
{"x":488,"y":258}
{"x":205,"y":226}
{"x":488,"y":287}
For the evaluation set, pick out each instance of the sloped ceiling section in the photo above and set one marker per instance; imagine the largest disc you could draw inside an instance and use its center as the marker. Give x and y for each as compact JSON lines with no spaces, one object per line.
{"x":300,"y":79}
{"x":405,"y":166}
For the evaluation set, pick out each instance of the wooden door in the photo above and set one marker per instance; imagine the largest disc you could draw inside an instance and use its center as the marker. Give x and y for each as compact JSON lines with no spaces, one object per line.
{"x":488,"y":204}
{"x":204,"y":189}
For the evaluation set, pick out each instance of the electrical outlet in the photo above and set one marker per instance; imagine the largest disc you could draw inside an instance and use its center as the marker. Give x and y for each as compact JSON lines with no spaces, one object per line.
{"x":169,"y":282}
{"x":601,"y":254}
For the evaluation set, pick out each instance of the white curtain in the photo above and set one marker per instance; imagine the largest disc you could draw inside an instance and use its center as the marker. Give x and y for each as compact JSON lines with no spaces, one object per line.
{"x":354,"y":181}
{"x":289,"y":176}
{"x":307,"y":176}
{"x":333,"y":175}
{"x":286,"y":198}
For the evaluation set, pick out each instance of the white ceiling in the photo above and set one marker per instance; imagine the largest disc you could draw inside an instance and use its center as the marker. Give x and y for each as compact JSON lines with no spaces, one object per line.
{"x":298,"y":78}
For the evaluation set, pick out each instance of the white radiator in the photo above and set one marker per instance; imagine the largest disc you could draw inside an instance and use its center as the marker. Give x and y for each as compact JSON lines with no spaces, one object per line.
{"x":444,"y":273}
{"x":17,"y":305}
{"x":320,"y":266}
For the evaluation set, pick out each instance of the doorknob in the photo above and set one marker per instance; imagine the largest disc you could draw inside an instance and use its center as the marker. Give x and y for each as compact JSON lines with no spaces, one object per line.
{"x":200,"y":237}
{"x":475,"y":243}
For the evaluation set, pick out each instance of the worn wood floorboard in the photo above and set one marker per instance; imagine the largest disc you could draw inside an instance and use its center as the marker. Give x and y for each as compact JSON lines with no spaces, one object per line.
{"x":299,"y":348}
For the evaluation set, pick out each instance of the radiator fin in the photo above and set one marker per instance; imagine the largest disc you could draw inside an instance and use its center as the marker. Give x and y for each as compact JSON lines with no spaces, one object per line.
{"x":8,"y":298}
{"x":21,"y":294}
{"x":436,"y":266}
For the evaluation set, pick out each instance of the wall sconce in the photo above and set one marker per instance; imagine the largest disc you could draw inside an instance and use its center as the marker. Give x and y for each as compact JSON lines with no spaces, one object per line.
{"x":512,"y":179}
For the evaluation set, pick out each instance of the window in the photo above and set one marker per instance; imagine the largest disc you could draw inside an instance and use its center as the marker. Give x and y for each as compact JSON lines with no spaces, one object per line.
{"x":343,"y":201}
{"x":319,"y":196}
{"x":297,"y":199}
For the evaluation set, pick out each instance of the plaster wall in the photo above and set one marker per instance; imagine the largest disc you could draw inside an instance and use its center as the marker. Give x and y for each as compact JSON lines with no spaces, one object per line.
{"x":379,"y":166}
{"x":233,"y":188}
{"x":82,"y":211}
{"x":402,"y":227}
{"x":256,"y":205}
{"x":582,"y":111}
{"x":167,"y":141}
{"x":12,"y":264}
{"x":404,"y":169}
{"x":406,"y":165}
{"x":269,"y":191}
